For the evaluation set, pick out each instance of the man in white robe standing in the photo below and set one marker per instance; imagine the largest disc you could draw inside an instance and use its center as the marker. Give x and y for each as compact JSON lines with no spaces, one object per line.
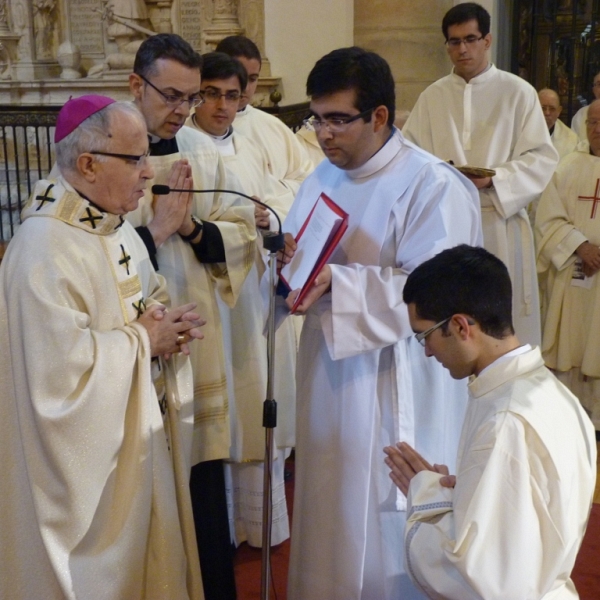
{"x":224,"y":79}
{"x":203,"y":245}
{"x":95,"y":435}
{"x":288,"y":160}
{"x":568,"y":240}
{"x":483,"y":117}
{"x":563,"y":138}
{"x":510,"y":523}
{"x":362,"y":380}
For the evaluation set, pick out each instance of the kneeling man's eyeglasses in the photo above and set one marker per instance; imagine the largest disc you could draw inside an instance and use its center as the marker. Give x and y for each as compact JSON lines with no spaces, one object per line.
{"x":420,"y":337}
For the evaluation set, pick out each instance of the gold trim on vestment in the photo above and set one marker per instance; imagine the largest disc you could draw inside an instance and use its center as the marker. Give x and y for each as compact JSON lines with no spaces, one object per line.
{"x":130,"y":287}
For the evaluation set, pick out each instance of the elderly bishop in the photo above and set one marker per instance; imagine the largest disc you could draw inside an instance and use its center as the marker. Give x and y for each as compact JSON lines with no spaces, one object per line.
{"x":96,"y":428}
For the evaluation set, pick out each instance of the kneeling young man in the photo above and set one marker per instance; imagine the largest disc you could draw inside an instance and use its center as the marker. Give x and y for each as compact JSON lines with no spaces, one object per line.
{"x":510,"y":524}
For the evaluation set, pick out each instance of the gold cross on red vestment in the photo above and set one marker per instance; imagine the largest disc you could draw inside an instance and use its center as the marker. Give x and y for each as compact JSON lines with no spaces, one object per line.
{"x":595,"y":199}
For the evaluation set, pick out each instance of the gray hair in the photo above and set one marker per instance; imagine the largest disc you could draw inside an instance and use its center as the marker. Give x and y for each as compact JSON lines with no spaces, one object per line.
{"x":93,"y":134}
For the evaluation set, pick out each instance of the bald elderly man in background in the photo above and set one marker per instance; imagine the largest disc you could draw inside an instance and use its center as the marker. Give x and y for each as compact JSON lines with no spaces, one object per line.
{"x":564,"y":139}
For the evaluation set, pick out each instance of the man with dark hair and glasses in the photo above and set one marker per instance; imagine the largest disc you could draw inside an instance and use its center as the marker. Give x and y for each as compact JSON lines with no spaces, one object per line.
{"x":362,"y":379}
{"x":202,"y":244}
{"x":510,"y":523}
{"x":95,"y":418}
{"x":480,"y":116}
{"x":224,"y":80}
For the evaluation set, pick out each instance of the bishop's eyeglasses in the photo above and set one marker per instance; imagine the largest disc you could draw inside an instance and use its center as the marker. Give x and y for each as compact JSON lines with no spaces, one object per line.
{"x":138,"y":159}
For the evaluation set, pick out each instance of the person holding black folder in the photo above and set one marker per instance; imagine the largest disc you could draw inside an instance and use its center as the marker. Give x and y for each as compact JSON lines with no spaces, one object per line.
{"x":363,"y":382}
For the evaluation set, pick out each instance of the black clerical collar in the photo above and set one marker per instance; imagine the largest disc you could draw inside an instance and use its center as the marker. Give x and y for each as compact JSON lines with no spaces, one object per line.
{"x":551,"y":130}
{"x":222,"y":138}
{"x":160,"y":147}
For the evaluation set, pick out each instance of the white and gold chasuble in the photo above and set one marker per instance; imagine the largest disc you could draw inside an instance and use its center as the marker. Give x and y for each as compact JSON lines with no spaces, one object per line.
{"x":94,"y":504}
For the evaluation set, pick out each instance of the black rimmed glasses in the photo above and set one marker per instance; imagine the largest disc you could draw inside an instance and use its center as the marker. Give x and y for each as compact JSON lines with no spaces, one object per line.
{"x":138,"y":159}
{"x":467,"y":41}
{"x":174,"y":101}
{"x":334,"y":124}
{"x":213,"y":95}
{"x":420,"y":337}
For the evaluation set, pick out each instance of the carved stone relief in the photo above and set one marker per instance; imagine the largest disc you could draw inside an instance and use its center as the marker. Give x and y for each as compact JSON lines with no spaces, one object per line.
{"x":51,"y":48}
{"x":44,"y":26}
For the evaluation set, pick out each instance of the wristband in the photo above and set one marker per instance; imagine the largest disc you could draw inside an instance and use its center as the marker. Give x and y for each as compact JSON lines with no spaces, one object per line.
{"x":197,"y":229}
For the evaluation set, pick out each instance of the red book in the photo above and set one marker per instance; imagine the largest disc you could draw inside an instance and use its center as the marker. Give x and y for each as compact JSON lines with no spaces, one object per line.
{"x":317,"y":239}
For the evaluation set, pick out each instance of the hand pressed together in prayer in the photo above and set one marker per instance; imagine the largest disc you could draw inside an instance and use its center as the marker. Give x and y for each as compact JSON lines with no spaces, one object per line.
{"x":261,"y":215}
{"x":171,"y":330}
{"x":405,"y":462}
{"x":172,"y":212}
{"x":590,"y":255}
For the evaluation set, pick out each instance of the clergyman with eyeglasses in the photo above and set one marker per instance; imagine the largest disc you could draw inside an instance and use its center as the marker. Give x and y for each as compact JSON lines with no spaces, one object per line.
{"x":95,"y":418}
{"x":224,"y":80}
{"x":481,"y":116}
{"x":362,"y":379}
{"x":567,"y":228}
{"x":509,"y":524}
{"x":202,"y":244}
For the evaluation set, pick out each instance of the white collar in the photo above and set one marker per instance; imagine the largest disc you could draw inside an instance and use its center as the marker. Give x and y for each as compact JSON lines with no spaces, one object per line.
{"x":381,"y":158}
{"x":516,"y":352}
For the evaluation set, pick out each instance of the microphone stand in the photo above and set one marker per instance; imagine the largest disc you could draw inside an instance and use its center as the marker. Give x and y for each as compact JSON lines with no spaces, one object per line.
{"x":273,"y":243}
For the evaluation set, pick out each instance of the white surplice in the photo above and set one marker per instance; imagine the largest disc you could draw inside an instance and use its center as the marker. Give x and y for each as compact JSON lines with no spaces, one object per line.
{"x":189,"y":280}
{"x":564,"y":139}
{"x":246,"y":362}
{"x":495,"y":121}
{"x":95,"y":499}
{"x":567,"y":216}
{"x":288,"y":161}
{"x":363,"y":381}
{"x":512,"y":526}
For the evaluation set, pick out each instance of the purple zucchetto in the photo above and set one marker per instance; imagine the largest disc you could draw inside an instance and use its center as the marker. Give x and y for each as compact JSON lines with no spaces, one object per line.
{"x":76,"y":111}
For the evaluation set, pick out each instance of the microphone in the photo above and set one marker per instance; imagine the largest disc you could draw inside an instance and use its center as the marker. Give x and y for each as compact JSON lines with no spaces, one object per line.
{"x":163,"y":190}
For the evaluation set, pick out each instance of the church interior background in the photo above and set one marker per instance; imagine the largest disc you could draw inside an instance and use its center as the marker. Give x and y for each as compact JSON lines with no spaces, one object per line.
{"x":52,"y":49}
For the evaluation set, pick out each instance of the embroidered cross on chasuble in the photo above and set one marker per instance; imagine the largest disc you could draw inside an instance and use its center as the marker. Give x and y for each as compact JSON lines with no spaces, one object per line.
{"x":45,"y":197}
{"x":125,"y":258}
{"x":594,"y":199}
